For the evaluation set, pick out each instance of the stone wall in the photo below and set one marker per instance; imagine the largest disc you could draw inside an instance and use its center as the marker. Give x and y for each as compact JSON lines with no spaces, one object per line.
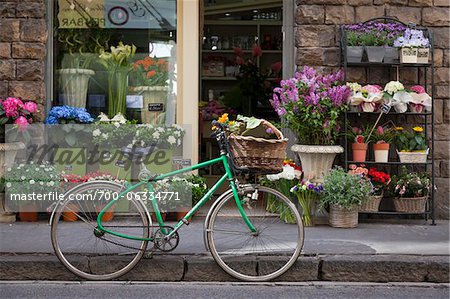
{"x":317,"y":42}
{"x":23,"y":34}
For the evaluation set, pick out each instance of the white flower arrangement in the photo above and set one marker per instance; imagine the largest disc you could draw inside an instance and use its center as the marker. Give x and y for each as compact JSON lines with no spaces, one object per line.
{"x":367,"y":97}
{"x":288,"y":173}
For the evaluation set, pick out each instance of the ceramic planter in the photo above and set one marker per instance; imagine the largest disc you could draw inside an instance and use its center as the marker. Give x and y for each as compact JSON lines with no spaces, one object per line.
{"x":381,"y":151}
{"x":423,"y":55}
{"x":375,"y":53}
{"x":359,"y":152}
{"x":390,"y":55}
{"x":343,"y":217}
{"x":355,"y":53}
{"x":316,"y":160}
{"x":408,"y":55}
{"x":413,"y":157}
{"x":74,"y":84}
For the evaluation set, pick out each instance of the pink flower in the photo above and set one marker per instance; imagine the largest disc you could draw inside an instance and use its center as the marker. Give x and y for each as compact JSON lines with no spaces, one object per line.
{"x":238,"y":52}
{"x":12,"y":106}
{"x":276,"y":67}
{"x":22,"y":122}
{"x":30,"y":107}
{"x":373,"y":88}
{"x":256,"y":51}
{"x":418,"y":89}
{"x":380,"y":130}
{"x":359,"y":139}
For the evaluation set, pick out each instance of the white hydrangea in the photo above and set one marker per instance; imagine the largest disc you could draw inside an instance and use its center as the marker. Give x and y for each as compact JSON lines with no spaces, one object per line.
{"x":354,"y":86}
{"x":171,"y":140}
{"x":155,"y":135}
{"x":96,"y":133}
{"x":32,"y":182}
{"x":393,"y":87}
{"x":105,"y":135}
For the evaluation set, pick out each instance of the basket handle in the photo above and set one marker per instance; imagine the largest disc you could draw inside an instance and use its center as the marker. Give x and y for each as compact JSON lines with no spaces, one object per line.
{"x":275,"y":130}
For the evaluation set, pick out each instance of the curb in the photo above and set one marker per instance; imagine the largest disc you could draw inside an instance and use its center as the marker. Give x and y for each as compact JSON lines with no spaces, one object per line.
{"x":349,"y":268}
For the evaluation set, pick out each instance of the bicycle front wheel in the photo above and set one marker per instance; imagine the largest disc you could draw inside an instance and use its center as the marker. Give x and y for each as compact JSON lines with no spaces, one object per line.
{"x":255,"y":256}
{"x":86,"y":250}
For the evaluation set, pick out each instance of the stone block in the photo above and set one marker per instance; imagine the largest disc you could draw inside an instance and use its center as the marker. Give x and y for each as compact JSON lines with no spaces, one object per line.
{"x":441,"y":3}
{"x":441,"y":202}
{"x":314,"y":36}
{"x":446,"y":60}
{"x":441,"y":75}
{"x":392,"y":2}
{"x":304,"y":269}
{"x":438,"y":57}
{"x":33,"y":30}
{"x":441,"y":37}
{"x":442,"y":92}
{"x":405,"y":14}
{"x":7,"y":9}
{"x":299,"y":2}
{"x":446,"y":118}
{"x":30,"y":90}
{"x":445,"y":169}
{"x":407,"y":75}
{"x":5,"y":50}
{"x":310,"y":14}
{"x":359,"y":2}
{"x":442,"y":132}
{"x":3,"y":89}
{"x":318,"y":56}
{"x":356,"y":74}
{"x":364,"y":13}
{"x":7,"y":69}
{"x":339,"y":14}
{"x":385,"y":268}
{"x":28,"y":50}
{"x":441,"y":150}
{"x":30,"y":70}
{"x":157,"y":268}
{"x":206,"y":269}
{"x":10,"y":30}
{"x":436,"y":16}
{"x":420,"y":3}
{"x":438,"y":110}
{"x":30,"y":10}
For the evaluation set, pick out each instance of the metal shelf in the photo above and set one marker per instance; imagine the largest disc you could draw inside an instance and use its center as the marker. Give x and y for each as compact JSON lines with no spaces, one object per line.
{"x":390,"y":113}
{"x":390,"y":163}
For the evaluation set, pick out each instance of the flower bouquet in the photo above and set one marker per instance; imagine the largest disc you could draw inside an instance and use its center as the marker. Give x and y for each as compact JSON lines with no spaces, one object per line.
{"x":397,"y":96}
{"x":308,"y":193}
{"x":366,"y":98}
{"x":411,"y":189}
{"x":420,"y":100}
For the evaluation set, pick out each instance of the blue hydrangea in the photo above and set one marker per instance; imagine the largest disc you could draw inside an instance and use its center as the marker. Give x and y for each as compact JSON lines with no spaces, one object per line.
{"x":58,"y":113}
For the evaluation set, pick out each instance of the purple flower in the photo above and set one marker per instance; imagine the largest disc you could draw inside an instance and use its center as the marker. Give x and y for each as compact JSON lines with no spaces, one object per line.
{"x":311,"y":186}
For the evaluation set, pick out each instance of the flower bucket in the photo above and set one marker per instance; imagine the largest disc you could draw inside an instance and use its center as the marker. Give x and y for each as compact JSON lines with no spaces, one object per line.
{"x":375,"y":54}
{"x":354,"y":53}
{"x":28,"y":213}
{"x":70,"y":213}
{"x":390,"y":55}
{"x":423,"y":55}
{"x":359,"y":152}
{"x":74,"y":84}
{"x":371,"y":204}
{"x":343,"y":217}
{"x":410,"y":204}
{"x":108,"y":215}
{"x":316,"y":160}
{"x":381,"y":152}
{"x":413,"y":157}
{"x":154,"y":103}
{"x":408,"y":55}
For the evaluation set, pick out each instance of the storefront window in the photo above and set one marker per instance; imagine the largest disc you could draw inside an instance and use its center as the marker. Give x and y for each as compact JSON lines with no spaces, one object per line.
{"x":115,"y":57}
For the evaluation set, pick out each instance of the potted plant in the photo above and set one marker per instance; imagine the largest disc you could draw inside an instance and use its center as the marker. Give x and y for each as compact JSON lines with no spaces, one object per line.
{"x":381,"y":139}
{"x":414,"y":46}
{"x":197,"y":188}
{"x":360,"y":143}
{"x":355,"y":48}
{"x":308,"y":195}
{"x":118,"y":65}
{"x":26,"y":182}
{"x":150,"y":79}
{"x":344,"y":193}
{"x":420,"y":100}
{"x":411,"y":189}
{"x":397,"y":96}
{"x":311,"y":105}
{"x":411,"y":146}
{"x":367,"y":98}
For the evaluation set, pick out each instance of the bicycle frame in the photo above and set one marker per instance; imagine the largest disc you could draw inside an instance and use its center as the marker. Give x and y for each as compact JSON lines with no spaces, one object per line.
{"x":227,"y":176}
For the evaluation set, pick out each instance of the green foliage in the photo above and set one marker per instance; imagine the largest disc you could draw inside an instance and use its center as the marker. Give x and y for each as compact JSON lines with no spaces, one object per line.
{"x":410,"y":141}
{"x":344,"y":189}
{"x":411,"y":184}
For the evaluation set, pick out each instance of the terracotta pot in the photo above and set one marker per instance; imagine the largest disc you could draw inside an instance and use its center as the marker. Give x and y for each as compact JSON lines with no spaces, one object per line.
{"x":108,"y":215}
{"x":70,"y":213}
{"x":359,"y":152}
{"x":163,"y":215}
{"x":381,"y":151}
{"x":180,"y":215}
{"x":28,"y":213}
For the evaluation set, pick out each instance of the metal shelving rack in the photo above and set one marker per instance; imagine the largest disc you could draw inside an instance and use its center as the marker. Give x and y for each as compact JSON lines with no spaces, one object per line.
{"x":429,"y":67}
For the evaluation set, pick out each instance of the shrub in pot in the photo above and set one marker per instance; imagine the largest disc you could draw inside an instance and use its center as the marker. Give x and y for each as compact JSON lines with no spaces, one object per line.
{"x":344,"y":193}
{"x":411,"y":190}
{"x":381,"y":139}
{"x":411,"y":145}
{"x":359,"y":140}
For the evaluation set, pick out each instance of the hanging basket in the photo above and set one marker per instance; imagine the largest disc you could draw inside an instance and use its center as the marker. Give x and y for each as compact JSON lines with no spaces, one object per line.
{"x":259,"y":154}
{"x":371,"y":204}
{"x":410,"y":204}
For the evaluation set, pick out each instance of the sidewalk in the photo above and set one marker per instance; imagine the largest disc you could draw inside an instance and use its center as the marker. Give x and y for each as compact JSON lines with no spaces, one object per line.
{"x":378,"y":252}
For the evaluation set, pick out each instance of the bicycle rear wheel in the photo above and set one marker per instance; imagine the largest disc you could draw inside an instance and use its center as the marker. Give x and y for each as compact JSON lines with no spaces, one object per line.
{"x":255,"y":256}
{"x":86,"y":250}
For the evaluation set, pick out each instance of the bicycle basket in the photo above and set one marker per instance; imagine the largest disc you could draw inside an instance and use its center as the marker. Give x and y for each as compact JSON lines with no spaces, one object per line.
{"x":259,"y":154}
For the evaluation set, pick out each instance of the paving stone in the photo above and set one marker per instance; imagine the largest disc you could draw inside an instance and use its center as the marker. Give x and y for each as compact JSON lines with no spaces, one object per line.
{"x":304,"y":269}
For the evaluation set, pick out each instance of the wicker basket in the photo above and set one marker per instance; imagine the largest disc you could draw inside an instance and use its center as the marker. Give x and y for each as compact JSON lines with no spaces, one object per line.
{"x":371,"y":204}
{"x":413,"y":157}
{"x":343,"y":217}
{"x":259,"y":154}
{"x":410,"y":204}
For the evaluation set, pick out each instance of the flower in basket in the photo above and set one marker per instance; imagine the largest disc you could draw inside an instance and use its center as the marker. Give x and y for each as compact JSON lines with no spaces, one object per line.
{"x":367,"y":97}
{"x":420,"y":100}
{"x":379,"y":179}
{"x":396,"y":95}
{"x":412,"y":38}
{"x":161,"y":136}
{"x":307,"y":193}
{"x":410,"y":141}
{"x":373,"y":33}
{"x":312,"y":105}
{"x":412,"y":184}
{"x":116,"y":132}
{"x":150,"y":72}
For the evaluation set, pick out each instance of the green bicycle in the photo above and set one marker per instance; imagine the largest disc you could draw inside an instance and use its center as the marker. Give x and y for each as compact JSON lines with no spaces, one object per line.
{"x":239,"y":227}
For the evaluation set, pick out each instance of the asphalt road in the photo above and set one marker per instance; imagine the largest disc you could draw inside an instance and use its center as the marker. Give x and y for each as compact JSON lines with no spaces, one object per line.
{"x":12,"y":290}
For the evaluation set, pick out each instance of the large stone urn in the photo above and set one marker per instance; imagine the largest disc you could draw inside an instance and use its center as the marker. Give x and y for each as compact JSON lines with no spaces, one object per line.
{"x":74,"y":84}
{"x":316,"y":160}
{"x":8,"y":153}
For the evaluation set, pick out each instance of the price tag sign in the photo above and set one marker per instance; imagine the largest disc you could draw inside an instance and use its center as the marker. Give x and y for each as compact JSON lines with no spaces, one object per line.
{"x":385,"y":108}
{"x":154,"y":107}
{"x":120,"y":163}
